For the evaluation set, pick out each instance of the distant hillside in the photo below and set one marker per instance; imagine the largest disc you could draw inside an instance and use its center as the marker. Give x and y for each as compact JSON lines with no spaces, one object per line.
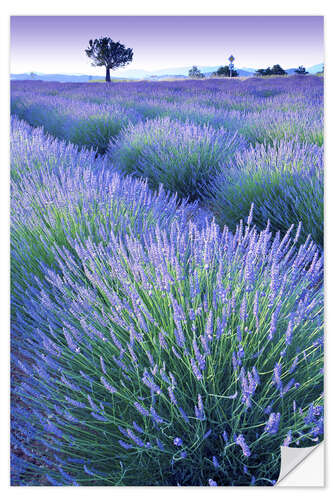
{"x":317,"y":68}
{"x":140,"y":74}
{"x":54,"y":77}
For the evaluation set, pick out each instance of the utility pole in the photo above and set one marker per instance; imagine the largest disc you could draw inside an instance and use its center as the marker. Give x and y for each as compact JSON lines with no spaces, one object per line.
{"x":231,"y":65}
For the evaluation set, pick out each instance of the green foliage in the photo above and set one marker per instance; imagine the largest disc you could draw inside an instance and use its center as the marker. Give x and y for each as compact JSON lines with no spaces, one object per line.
{"x":285,"y":183}
{"x":105,"y":52}
{"x":195,"y":72}
{"x":275,"y":70}
{"x":225,"y":71}
{"x":184,"y":157}
{"x":301,"y":71}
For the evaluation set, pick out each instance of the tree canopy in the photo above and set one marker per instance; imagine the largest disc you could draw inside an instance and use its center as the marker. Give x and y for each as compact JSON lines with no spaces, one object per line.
{"x":195,"y":72}
{"x":225,"y":71}
{"x":105,"y":52}
{"x":275,"y":70}
{"x":301,"y":71}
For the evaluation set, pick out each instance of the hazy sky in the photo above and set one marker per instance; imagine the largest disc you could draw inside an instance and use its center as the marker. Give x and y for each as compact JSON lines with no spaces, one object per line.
{"x":55,"y":44}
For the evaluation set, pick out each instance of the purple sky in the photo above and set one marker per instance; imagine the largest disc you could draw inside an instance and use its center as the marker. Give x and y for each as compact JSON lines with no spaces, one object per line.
{"x":54,"y":44}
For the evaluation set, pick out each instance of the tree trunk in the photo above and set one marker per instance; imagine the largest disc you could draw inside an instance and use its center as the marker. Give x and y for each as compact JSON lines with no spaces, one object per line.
{"x":107,"y":77}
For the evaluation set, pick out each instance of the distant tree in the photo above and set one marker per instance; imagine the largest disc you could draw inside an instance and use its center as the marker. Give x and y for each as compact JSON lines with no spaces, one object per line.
{"x":225,"y":71}
{"x":33,"y":75}
{"x":263,"y":72}
{"x":301,"y":71}
{"x":195,"y":72}
{"x":275,"y":70}
{"x":106,"y":52}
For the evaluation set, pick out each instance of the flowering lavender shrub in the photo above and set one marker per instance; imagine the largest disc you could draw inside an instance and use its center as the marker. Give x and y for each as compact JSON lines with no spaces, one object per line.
{"x":271,"y":125}
{"x":86,"y":124}
{"x":58,"y":191}
{"x":150,"y":346}
{"x":183,"y":157}
{"x":168,"y":368}
{"x":261,"y":109}
{"x":142,"y":356}
{"x":285,"y":181}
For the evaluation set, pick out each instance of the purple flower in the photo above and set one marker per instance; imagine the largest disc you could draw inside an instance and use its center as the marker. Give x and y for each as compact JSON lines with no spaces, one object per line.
{"x":127,"y":446}
{"x":178,"y":441}
{"x":242,"y":311}
{"x":240,"y":440}
{"x":273,"y":423}
{"x":135,"y":438}
{"x":102,"y":364}
{"x":183,"y":414}
{"x":78,"y":404}
{"x":172,"y":396}
{"x":99,"y":417}
{"x":249,"y":384}
{"x":107,"y":386}
{"x":196,"y":370}
{"x":294,"y":365}
{"x":155,"y":416}
{"x":141,"y":410}
{"x":149,"y":382}
{"x":289,"y":332}
{"x":225,"y":436}
{"x":199,"y":357}
{"x":207,"y":434}
{"x":137,"y":427}
{"x":288,"y":439}
{"x":277,"y":375}
{"x":87,"y":471}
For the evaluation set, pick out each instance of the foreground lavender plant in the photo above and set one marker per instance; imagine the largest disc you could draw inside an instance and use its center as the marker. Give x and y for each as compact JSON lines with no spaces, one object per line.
{"x":109,"y":299}
{"x":285,"y":182}
{"x":148,"y":346}
{"x":182,"y":156}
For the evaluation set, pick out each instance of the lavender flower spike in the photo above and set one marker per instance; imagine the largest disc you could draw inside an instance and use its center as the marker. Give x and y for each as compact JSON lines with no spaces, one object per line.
{"x":273,"y":423}
{"x":107,"y":386}
{"x":240,"y":440}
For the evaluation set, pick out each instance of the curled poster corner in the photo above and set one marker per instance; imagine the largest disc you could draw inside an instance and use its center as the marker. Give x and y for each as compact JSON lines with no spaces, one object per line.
{"x":302,"y":467}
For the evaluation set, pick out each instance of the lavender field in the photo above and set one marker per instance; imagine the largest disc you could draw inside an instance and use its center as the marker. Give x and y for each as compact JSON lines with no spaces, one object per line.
{"x":166,"y":280}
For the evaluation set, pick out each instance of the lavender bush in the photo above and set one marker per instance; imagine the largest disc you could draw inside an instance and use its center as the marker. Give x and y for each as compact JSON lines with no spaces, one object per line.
{"x":184,"y":351}
{"x":58,"y":191}
{"x":210,"y":349}
{"x":183,"y":157}
{"x":86,"y":124}
{"x":273,"y":124}
{"x":261,"y":109}
{"x":285,"y":181}
{"x":152,"y":344}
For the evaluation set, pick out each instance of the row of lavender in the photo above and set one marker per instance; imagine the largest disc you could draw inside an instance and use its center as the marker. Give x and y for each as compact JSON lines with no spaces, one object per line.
{"x":150,"y":347}
{"x":92,"y":114}
{"x":229,"y":144}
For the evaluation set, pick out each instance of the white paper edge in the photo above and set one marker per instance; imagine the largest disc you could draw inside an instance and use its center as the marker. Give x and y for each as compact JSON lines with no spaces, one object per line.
{"x":302,"y":467}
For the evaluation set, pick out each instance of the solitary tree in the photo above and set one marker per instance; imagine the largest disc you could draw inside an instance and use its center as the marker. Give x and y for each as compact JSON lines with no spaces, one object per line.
{"x":106,"y":52}
{"x":225,"y":71}
{"x":195,"y":72}
{"x":301,"y":71}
